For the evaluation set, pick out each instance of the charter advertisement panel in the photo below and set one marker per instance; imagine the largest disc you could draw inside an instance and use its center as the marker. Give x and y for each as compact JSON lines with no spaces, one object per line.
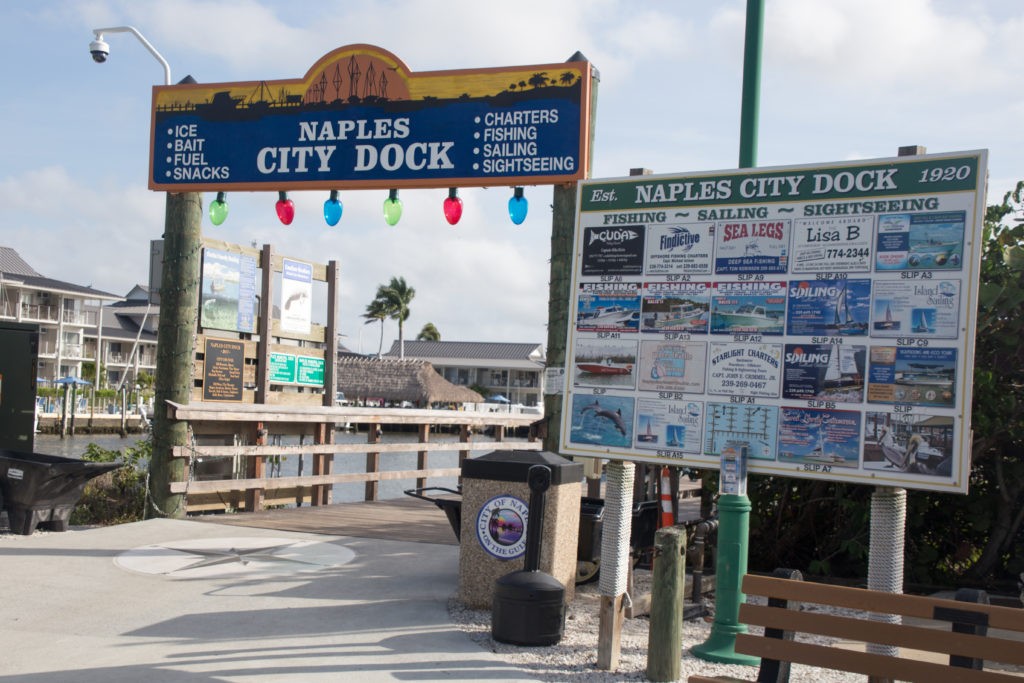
{"x":822,"y":318}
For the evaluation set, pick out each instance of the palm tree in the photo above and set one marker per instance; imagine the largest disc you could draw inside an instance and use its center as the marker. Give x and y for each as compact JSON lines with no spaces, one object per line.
{"x":377,"y":310}
{"x":539,"y":79}
{"x":428,"y":333}
{"x":396,"y":296}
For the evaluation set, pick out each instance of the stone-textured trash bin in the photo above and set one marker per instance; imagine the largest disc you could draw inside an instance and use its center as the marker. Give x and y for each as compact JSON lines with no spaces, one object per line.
{"x":41,"y":490}
{"x":495,"y":500}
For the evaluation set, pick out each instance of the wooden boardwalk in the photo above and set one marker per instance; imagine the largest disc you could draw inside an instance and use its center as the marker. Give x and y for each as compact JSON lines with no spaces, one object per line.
{"x":398,"y":519}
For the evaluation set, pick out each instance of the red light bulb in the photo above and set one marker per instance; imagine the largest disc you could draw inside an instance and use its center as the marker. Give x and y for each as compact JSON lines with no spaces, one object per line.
{"x":285,"y":208}
{"x":452,"y":207}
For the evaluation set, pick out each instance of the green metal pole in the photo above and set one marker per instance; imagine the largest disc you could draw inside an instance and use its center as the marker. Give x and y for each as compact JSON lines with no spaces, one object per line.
{"x":751,"y":104}
{"x":733,"y":534}
{"x":734,"y":510}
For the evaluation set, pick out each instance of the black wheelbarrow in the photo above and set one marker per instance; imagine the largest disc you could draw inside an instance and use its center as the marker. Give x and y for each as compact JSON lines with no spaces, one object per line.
{"x":41,"y":490}
{"x":452,"y":507}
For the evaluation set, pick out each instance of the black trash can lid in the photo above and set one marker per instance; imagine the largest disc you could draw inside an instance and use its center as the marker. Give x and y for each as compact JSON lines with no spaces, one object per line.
{"x":515,"y":465}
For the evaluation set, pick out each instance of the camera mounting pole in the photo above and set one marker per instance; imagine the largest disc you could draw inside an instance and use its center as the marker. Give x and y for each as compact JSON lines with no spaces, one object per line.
{"x":98,"y":32}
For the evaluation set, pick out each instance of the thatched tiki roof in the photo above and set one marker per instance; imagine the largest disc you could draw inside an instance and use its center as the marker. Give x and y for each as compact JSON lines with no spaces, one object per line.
{"x":398,"y":380}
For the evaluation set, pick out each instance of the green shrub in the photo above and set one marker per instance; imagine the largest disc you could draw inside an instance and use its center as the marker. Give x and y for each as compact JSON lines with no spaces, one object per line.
{"x":116,"y":497}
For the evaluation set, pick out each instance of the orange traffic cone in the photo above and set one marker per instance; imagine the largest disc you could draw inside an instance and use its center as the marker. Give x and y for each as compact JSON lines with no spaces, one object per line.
{"x":667,"y":517}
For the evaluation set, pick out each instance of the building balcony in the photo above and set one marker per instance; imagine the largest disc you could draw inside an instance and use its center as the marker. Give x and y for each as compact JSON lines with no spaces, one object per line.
{"x":38,"y":313}
{"x":80,"y":318}
{"x":124,"y":360}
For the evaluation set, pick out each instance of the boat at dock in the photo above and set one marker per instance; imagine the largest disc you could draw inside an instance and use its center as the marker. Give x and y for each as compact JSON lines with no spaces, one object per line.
{"x":605,"y":367}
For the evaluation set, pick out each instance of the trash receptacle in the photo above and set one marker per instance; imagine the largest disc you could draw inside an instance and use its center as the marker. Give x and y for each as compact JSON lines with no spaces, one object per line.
{"x":42,"y":490}
{"x":495,"y":502}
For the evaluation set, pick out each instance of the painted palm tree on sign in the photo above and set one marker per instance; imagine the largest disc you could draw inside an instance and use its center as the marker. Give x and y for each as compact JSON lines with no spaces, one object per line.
{"x":377,"y":310}
{"x":396,"y":296}
{"x":429,"y":333}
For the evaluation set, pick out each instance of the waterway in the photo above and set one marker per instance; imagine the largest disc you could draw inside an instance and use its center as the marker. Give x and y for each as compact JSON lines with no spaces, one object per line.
{"x":75,"y":447}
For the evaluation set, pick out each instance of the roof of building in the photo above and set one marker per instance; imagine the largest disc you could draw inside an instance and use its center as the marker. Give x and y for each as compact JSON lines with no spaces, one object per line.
{"x":125,"y":333}
{"x":15,"y":269}
{"x":392,"y":379}
{"x":11,"y":263}
{"x":39,"y":282}
{"x":458,"y":352}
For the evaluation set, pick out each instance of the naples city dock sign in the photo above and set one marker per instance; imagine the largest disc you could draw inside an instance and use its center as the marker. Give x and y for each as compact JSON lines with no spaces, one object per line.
{"x":819,"y":318}
{"x":360,"y":119}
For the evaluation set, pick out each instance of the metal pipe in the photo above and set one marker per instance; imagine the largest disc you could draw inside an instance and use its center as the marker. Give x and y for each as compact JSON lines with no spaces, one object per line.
{"x":98,"y":32}
{"x":699,"y":541}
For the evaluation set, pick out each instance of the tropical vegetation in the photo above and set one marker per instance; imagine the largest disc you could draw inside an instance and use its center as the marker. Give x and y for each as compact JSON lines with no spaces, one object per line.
{"x":429,"y":333}
{"x":392,"y":301}
{"x":116,"y":497}
{"x":376,"y":311}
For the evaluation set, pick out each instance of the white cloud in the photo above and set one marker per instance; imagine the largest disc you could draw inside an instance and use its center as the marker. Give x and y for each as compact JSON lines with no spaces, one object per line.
{"x":79,"y":234}
{"x":910,"y":47}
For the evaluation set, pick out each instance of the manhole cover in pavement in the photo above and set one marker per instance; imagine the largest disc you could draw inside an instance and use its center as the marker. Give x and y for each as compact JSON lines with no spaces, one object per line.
{"x":246,"y":556}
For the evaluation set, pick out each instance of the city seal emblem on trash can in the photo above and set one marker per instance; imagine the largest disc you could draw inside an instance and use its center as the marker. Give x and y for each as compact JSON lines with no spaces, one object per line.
{"x":501,"y":527}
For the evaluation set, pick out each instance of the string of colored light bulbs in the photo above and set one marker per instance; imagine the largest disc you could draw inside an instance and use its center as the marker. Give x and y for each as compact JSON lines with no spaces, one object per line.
{"x":518,"y":207}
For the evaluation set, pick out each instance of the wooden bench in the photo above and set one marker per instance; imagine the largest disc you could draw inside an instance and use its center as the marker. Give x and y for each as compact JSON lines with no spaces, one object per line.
{"x":954,"y":635}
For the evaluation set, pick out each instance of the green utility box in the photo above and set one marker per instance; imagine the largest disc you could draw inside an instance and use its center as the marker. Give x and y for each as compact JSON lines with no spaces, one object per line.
{"x":19,"y":367}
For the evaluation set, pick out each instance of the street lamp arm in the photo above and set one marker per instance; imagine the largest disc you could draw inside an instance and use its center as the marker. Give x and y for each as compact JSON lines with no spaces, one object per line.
{"x":142,"y":39}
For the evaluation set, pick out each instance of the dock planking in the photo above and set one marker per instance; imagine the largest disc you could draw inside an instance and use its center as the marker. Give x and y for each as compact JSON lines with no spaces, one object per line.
{"x":398,"y":519}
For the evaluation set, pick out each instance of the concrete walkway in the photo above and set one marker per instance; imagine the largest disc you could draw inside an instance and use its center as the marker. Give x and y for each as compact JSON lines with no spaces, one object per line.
{"x":168,"y":600}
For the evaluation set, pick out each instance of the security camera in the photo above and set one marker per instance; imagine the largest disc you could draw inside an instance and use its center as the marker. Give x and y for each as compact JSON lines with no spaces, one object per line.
{"x":99,"y":50}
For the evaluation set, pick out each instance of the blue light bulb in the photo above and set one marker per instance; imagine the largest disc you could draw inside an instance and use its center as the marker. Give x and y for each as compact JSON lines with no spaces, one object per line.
{"x":518,"y":206}
{"x":333,"y":209}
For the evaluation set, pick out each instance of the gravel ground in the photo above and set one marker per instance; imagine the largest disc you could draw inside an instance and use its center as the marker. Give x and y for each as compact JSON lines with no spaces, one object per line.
{"x":575,"y":657}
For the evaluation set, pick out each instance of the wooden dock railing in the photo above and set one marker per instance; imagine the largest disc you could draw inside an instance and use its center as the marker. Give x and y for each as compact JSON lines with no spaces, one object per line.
{"x":246,"y":434}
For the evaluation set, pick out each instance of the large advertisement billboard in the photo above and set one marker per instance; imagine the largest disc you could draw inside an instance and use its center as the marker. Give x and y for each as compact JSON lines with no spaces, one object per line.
{"x":360,"y":118}
{"x":821,"y":318}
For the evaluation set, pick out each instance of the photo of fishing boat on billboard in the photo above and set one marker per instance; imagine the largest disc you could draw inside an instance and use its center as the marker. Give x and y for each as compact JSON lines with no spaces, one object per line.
{"x":675,"y":307}
{"x":669,"y":425}
{"x":821,"y":437}
{"x":911,"y":374}
{"x":920,"y":241}
{"x":916,"y":308}
{"x":824,"y":372}
{"x":608,"y":307}
{"x":604,"y":363}
{"x":829,"y":308}
{"x":748,"y":307}
{"x":602,"y":420}
{"x":913,"y":443}
{"x":754,"y":427}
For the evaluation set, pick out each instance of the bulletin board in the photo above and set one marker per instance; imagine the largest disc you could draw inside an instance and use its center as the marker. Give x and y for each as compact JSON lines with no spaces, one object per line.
{"x":820,"y":318}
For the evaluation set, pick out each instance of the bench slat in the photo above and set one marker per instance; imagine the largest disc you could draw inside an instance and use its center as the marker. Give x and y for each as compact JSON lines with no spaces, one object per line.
{"x":914,"y":637}
{"x":867,"y":663}
{"x":876,"y":601}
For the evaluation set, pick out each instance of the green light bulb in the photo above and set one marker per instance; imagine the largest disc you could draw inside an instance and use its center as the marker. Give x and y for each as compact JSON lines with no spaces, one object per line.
{"x":392,"y":208}
{"x":218,"y":209}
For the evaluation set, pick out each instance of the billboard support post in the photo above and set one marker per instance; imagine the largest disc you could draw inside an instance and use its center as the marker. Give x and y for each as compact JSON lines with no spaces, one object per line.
{"x":179,"y":296}
{"x":887,"y":526}
{"x":734,"y":508}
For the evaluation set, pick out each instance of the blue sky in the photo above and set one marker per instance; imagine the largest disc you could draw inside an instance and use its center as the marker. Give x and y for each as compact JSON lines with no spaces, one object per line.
{"x":841,"y":79}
